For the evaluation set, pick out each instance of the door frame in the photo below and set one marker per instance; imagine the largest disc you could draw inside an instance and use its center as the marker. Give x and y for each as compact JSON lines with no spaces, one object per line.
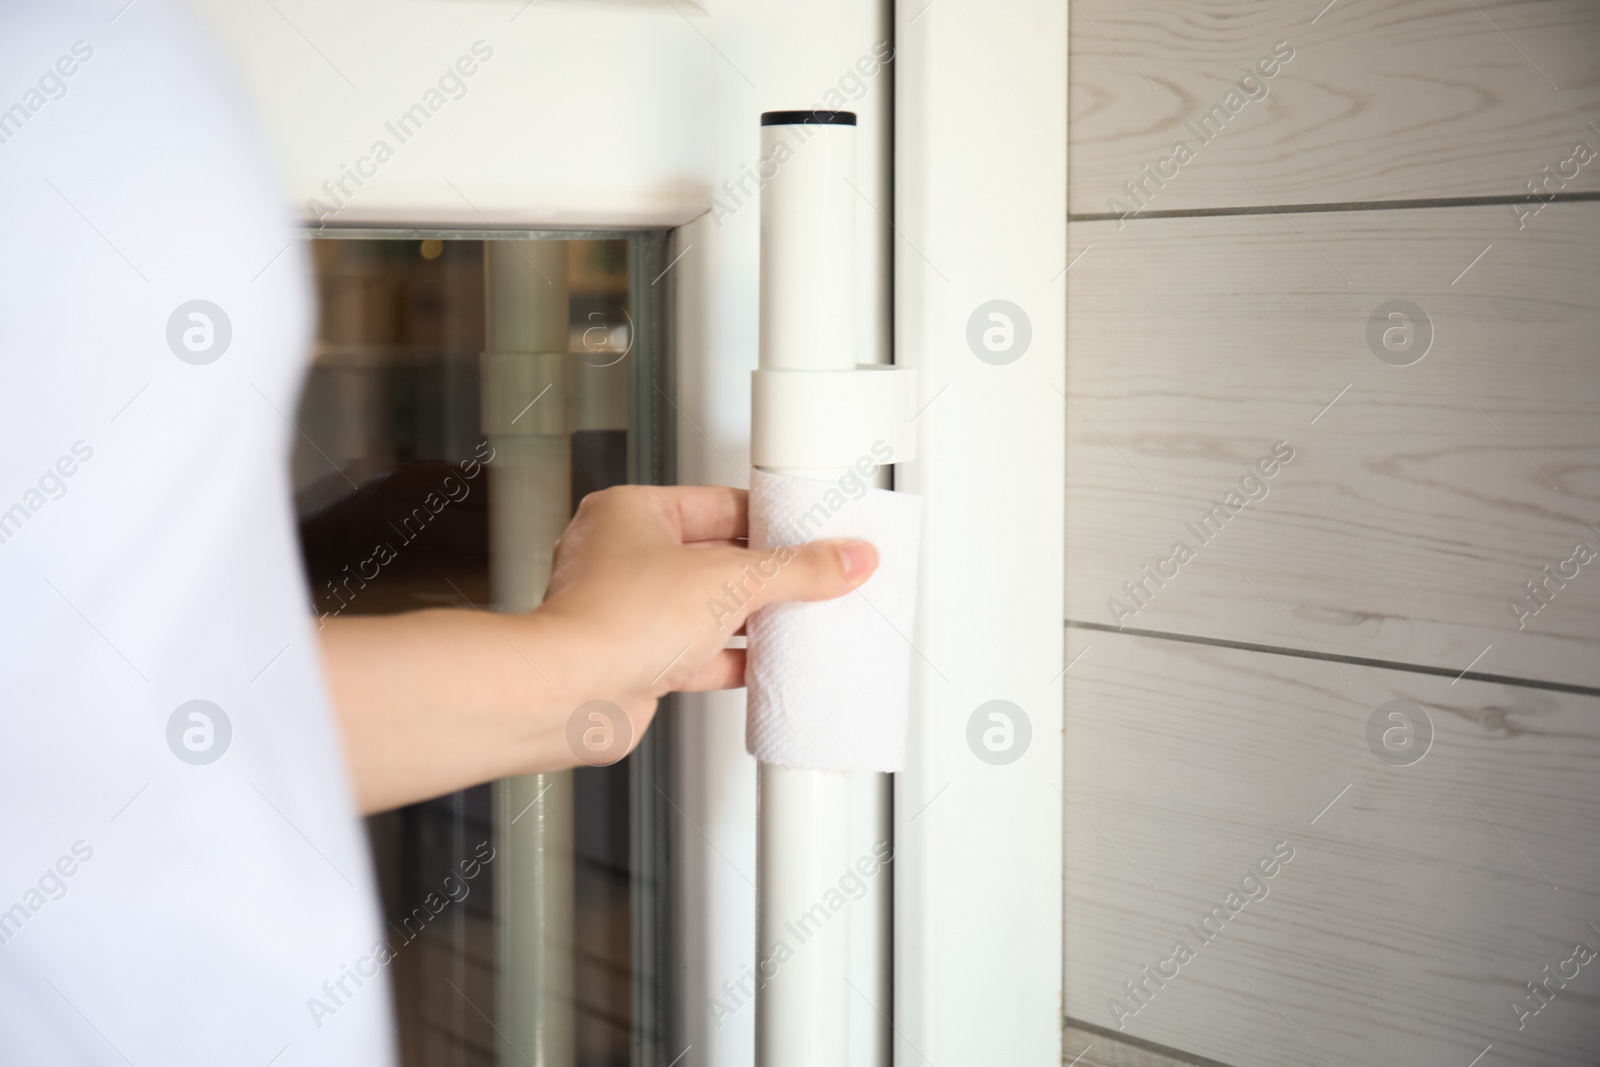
{"x":664,"y":135}
{"x":980,"y":159}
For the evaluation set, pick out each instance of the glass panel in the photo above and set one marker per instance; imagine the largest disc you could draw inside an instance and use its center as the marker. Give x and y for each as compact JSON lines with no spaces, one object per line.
{"x":406,"y":500}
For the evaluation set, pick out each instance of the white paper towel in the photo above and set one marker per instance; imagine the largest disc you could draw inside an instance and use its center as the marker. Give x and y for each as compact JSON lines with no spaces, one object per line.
{"x":829,"y":681}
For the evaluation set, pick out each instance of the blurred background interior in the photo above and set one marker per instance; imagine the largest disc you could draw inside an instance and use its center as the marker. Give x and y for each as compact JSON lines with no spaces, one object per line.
{"x":411,"y":494}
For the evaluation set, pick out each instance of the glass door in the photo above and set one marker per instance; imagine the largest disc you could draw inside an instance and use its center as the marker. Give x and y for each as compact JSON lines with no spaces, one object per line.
{"x":466,"y":391}
{"x":635,"y":117}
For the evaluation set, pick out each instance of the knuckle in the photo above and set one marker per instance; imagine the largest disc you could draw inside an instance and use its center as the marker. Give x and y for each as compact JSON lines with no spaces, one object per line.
{"x":819,"y":559}
{"x":604,"y":499}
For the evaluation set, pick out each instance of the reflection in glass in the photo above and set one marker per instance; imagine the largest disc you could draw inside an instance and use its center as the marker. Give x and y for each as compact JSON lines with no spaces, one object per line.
{"x":526,"y":918}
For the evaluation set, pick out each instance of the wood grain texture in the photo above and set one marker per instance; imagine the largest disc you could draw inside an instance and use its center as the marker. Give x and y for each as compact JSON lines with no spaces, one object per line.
{"x":1381,"y":100}
{"x":1416,"y":506}
{"x":1406,"y":920}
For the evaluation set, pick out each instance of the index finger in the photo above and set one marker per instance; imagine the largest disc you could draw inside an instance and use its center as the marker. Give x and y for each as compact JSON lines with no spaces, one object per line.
{"x":707,"y":512}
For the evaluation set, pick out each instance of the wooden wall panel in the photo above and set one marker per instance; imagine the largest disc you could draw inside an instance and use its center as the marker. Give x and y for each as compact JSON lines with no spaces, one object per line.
{"x":1407,"y":920}
{"x":1425,"y":496}
{"x":1091,"y":1048}
{"x":1416,"y":506}
{"x":1381,"y":100}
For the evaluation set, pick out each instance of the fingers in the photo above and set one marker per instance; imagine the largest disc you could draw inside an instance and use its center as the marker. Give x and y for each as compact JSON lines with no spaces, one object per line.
{"x":820,"y":570}
{"x":707,"y":512}
{"x":686,"y":514}
{"x":725,"y":670}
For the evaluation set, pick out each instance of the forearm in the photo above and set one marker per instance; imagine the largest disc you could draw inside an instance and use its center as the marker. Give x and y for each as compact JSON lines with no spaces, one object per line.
{"x":429,"y":702}
{"x":434,"y":701}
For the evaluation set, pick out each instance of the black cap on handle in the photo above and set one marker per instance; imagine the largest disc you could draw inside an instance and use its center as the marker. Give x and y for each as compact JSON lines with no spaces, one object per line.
{"x":808,"y":118}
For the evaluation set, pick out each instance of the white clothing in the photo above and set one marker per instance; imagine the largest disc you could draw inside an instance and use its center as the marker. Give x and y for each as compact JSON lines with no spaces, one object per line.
{"x":153,"y":562}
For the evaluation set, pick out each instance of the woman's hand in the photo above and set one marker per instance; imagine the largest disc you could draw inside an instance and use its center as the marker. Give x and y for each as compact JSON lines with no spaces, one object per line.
{"x":649,"y":584}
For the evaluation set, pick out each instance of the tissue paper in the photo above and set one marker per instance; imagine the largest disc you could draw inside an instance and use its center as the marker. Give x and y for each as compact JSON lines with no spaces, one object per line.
{"x":829,"y":681}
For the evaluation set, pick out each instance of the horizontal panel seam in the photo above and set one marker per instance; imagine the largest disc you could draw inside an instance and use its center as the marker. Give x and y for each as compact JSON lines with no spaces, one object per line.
{"x":1351,"y":205}
{"x":1142,"y":1043}
{"x":1336,"y":657}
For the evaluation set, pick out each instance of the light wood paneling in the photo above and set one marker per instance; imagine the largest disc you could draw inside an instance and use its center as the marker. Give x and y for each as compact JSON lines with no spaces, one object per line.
{"x":1088,"y":1048}
{"x":1416,"y":506}
{"x":1381,"y":101}
{"x":1405,"y":922}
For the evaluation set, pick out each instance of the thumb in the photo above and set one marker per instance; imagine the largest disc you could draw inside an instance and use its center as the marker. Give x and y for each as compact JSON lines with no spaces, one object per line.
{"x":818,"y":570}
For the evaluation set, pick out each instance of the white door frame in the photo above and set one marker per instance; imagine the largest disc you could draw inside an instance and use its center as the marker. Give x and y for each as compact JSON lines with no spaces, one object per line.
{"x":980,"y":210}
